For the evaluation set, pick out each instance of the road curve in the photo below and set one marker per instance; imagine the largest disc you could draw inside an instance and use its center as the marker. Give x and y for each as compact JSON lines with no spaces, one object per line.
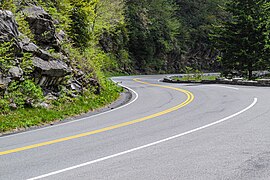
{"x":169,"y":131}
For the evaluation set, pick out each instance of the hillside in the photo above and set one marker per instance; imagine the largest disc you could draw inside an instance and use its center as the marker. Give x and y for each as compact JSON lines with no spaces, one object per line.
{"x":51,"y":63}
{"x":55,"y":55}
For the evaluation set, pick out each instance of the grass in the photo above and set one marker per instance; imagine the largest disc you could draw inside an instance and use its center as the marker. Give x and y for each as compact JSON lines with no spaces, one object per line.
{"x":27,"y":117}
{"x":196,"y":78}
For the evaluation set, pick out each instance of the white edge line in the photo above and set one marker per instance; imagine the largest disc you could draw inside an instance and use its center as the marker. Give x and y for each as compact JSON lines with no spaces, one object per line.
{"x":147,"y":145}
{"x":73,"y":121}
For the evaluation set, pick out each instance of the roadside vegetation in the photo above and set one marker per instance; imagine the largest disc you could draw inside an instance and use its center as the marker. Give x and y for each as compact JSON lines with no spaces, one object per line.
{"x":103,"y":38}
{"x":194,"y":78}
{"x":194,"y":75}
{"x":85,"y":23}
{"x":60,"y":109}
{"x":244,"y":37}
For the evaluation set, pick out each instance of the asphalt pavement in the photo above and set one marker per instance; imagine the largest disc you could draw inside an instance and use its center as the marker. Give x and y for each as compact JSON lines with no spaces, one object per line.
{"x":166,"y":131}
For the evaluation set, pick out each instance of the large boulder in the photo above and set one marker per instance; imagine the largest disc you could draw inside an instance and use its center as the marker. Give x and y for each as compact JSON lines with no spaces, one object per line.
{"x":54,"y":68}
{"x":8,"y":26}
{"x":9,"y":29}
{"x":41,"y":25}
{"x":15,"y":72}
{"x":50,"y":74}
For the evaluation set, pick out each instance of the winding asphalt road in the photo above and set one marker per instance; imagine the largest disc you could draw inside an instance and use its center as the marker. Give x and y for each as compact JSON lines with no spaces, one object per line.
{"x":167,"y":131}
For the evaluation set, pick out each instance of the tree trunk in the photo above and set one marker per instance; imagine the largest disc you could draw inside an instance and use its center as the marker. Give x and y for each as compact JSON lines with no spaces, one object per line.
{"x":250,"y":69}
{"x":250,"y":73}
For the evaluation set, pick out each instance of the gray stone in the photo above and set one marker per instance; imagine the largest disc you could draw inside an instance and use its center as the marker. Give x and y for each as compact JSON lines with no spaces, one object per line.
{"x":265,"y":82}
{"x":80,"y":73}
{"x":4,"y":81}
{"x":15,"y":72}
{"x":8,"y":26}
{"x":50,"y":97}
{"x":51,"y":68}
{"x":237,"y":79}
{"x":61,"y":35}
{"x":13,"y":106}
{"x":76,"y":86}
{"x":24,"y":38}
{"x":64,"y":58}
{"x":31,"y":47}
{"x":43,"y":105}
{"x":250,"y":83}
{"x":44,"y":55}
{"x":41,"y":25}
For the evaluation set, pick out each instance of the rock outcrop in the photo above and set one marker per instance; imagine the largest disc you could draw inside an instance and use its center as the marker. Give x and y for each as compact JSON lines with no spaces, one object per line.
{"x":8,"y":26}
{"x":41,"y":25}
{"x":49,"y":70}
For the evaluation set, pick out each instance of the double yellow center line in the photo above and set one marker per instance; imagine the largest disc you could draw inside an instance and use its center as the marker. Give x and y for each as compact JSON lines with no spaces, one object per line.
{"x":189,"y":99}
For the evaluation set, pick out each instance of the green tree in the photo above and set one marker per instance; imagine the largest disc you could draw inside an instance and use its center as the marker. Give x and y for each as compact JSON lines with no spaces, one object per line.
{"x":153,"y":28}
{"x":244,"y":38}
{"x":197,"y":18}
{"x":81,"y":14}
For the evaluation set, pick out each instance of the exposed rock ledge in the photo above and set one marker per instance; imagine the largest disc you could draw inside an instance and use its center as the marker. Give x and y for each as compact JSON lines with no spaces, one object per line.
{"x":49,"y":71}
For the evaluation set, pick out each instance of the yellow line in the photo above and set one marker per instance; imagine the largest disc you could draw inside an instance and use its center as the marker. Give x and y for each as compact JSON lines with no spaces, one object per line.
{"x":189,"y":99}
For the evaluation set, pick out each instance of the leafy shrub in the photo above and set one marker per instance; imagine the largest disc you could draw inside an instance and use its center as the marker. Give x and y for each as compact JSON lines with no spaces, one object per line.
{"x":26,"y":64}
{"x":23,"y":26}
{"x":24,"y":93}
{"x":7,"y":5}
{"x":4,"y":106}
{"x":6,"y":56}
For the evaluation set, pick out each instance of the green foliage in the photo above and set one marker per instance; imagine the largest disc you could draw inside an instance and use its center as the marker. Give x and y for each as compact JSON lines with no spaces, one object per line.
{"x":6,"y":56}
{"x":164,"y":36}
{"x":188,"y":71}
{"x":26,"y":64}
{"x":7,"y":5}
{"x":108,"y":16}
{"x":265,"y":23}
{"x":196,"y":77}
{"x":193,"y":74}
{"x":98,"y":61}
{"x":27,"y":117}
{"x":82,"y":14}
{"x":7,"y":59}
{"x":197,"y":17}
{"x":153,"y":28}
{"x":114,"y":43}
{"x":24,"y":93}
{"x":59,"y":10}
{"x":244,"y":38}
{"x":118,"y":37}
{"x":4,"y":106}
{"x":23,"y":26}
{"x":86,"y":22}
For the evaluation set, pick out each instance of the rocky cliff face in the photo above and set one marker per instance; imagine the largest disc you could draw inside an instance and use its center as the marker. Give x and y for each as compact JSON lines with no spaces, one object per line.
{"x":202,"y":57}
{"x":48,"y":70}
